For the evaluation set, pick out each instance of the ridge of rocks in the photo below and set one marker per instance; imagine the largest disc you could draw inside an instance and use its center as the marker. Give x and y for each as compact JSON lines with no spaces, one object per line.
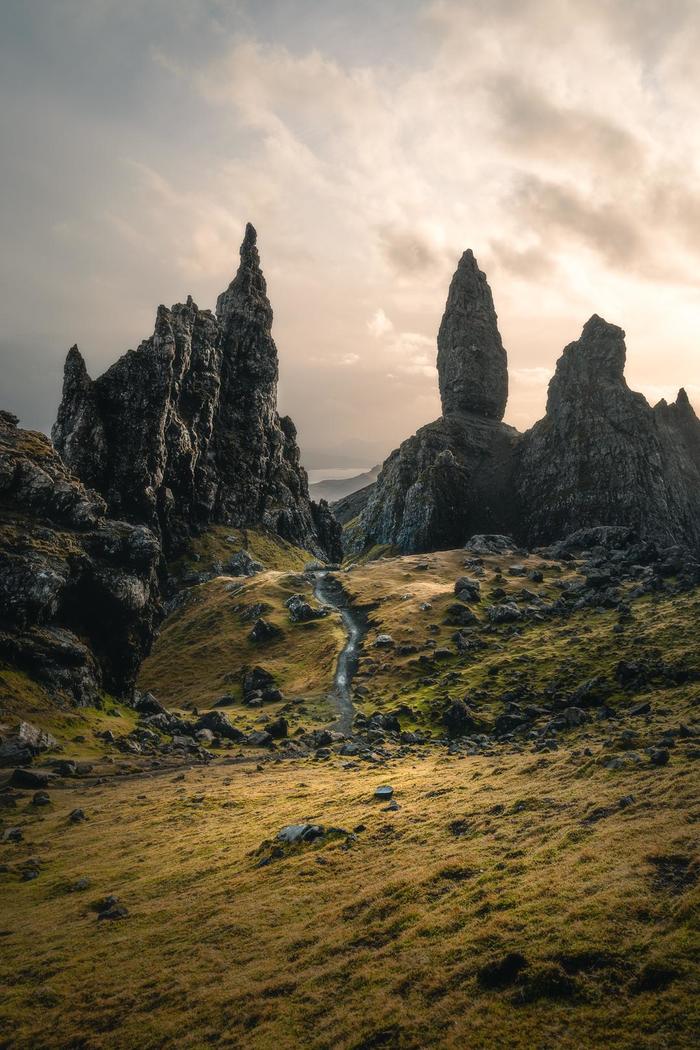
{"x":184,"y":431}
{"x":601,"y":455}
{"x":79,"y":597}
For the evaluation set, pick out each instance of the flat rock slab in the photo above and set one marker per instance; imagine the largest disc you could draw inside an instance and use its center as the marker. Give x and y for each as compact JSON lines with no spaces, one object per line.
{"x":384,"y":792}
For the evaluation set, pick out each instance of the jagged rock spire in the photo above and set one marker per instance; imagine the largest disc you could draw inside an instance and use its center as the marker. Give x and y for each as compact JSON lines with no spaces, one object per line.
{"x":78,"y":433}
{"x":246,"y":296}
{"x":184,"y":432}
{"x":472,"y":363}
{"x":594,"y":362}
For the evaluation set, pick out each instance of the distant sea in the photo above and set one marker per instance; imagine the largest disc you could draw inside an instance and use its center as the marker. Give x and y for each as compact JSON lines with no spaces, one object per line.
{"x":334,"y":473}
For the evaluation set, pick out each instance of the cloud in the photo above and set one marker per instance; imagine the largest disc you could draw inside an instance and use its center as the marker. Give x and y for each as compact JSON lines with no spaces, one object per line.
{"x":530,"y":377}
{"x":556,"y":138}
{"x":379,"y":324}
{"x":406,"y":251}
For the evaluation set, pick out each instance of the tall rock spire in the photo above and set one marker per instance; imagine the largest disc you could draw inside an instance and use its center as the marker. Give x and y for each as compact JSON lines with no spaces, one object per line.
{"x":78,"y":433}
{"x":472,"y":363}
{"x":184,"y":432}
{"x":246,"y":297}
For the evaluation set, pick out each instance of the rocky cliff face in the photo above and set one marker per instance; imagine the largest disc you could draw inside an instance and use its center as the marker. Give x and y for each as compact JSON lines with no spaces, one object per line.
{"x":600,"y":456}
{"x":603,"y":456}
{"x":472,"y":363}
{"x":184,"y":431}
{"x":78,"y":590}
{"x":452,"y":478}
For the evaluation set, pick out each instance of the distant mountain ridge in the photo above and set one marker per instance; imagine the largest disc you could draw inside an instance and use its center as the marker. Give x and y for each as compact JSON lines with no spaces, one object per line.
{"x":334,"y":489}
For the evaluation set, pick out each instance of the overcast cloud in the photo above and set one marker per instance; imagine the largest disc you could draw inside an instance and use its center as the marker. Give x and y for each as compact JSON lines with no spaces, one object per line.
{"x":370,"y":143}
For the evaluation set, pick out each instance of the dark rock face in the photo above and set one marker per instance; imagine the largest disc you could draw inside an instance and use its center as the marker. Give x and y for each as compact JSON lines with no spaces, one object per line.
{"x":184,"y":431}
{"x":445,"y":483}
{"x":601,"y":456}
{"x":78,"y":591}
{"x":472,"y":364}
{"x":452,"y":478}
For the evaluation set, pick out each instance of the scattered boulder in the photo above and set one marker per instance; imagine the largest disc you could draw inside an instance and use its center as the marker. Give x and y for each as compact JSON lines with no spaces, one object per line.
{"x":219,"y":725}
{"x":259,"y":738}
{"x":278,"y":728}
{"x":244,"y":564}
{"x":31,"y":778}
{"x":467,"y":589}
{"x":110,"y":909}
{"x":458,"y":719}
{"x":508,"y":612}
{"x":21,"y":744}
{"x":458,"y":615}
{"x":294,"y":833}
{"x":264,"y":631}
{"x":300,"y":611}
{"x":490,"y":544}
{"x":147,"y":704}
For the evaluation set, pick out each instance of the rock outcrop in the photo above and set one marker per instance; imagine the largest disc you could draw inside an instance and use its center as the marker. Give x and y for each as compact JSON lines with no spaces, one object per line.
{"x":78,"y":590}
{"x":600,"y":456}
{"x":184,"y":431}
{"x":472,"y":363}
{"x":452,"y":478}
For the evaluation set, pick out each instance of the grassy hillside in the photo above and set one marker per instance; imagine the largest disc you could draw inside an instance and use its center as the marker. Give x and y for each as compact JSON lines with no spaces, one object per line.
{"x":204,"y":647}
{"x":510,"y":901}
{"x":539,"y":890}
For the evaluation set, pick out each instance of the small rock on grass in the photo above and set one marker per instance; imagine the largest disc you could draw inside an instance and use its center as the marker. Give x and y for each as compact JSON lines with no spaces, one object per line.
{"x":293,"y":833}
{"x":384,"y":792}
{"x":110,"y":908}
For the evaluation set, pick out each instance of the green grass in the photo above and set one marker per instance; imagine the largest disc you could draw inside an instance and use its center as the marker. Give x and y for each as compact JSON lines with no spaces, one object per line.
{"x":379,"y":945}
{"x":392,"y":939}
{"x":204,"y":648}
{"x":219,"y":542}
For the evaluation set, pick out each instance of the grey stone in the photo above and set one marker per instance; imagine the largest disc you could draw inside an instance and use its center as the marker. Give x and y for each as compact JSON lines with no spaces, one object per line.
{"x":184,"y":432}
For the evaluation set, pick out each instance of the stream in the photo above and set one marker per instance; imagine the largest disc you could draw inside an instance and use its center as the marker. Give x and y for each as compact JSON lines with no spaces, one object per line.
{"x":329,"y":591}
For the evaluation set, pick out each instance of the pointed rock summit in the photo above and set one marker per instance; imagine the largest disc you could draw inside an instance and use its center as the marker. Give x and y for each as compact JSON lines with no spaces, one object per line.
{"x":246,"y":296}
{"x":451,"y":479}
{"x":184,"y":432}
{"x":600,"y":456}
{"x":472,"y":363}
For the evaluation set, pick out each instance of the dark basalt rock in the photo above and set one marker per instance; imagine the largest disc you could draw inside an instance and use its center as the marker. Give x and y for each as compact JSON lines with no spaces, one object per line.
{"x":449,"y":480}
{"x":78,"y":590}
{"x":452,"y":478}
{"x":472,"y":363}
{"x":603,"y":456}
{"x":184,"y":431}
{"x":600,"y":459}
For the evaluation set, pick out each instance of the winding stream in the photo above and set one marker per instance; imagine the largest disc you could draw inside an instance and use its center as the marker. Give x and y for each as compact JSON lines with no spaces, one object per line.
{"x":329,"y":591}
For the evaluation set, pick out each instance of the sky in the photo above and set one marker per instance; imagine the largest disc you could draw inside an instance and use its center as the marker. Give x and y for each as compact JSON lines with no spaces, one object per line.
{"x":370,"y":142}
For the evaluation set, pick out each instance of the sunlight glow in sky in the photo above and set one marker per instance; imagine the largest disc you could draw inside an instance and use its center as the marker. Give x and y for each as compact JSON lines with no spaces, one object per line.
{"x":370,"y":143}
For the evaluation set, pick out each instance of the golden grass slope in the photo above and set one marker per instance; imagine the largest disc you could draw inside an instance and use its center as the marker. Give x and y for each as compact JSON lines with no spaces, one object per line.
{"x":204,"y":646}
{"x":384,"y":944}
